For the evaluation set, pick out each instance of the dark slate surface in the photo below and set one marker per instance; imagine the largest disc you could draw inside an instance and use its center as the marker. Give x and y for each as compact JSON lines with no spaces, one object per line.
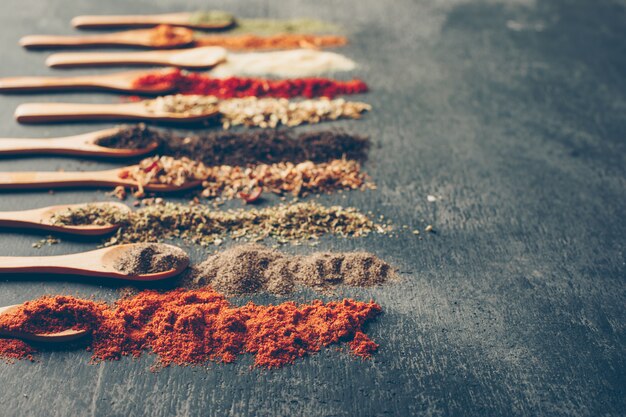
{"x":513,"y":113}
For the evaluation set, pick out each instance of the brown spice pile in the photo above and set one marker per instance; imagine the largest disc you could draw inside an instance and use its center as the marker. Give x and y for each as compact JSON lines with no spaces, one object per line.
{"x":202,"y":225}
{"x":251,"y":268}
{"x":150,"y":258}
{"x":278,"y":41}
{"x":244,"y":148}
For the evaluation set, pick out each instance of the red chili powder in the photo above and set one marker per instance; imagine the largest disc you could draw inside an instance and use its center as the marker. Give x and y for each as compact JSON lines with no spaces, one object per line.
{"x":183,"y":82}
{"x":191,"y":327}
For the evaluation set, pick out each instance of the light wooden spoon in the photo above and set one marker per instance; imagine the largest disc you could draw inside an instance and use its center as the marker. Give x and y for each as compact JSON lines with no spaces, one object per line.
{"x":137,"y":111}
{"x":141,"y":37}
{"x":96,"y":263}
{"x":193,"y":58}
{"x":63,"y":336}
{"x":79,"y":145}
{"x":41,"y":219}
{"x":108,"y":178}
{"x":173,"y":19}
{"x":118,"y":82}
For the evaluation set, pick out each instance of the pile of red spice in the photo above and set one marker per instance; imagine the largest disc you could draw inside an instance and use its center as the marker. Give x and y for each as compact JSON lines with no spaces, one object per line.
{"x":186,"y":327}
{"x":182,"y":82}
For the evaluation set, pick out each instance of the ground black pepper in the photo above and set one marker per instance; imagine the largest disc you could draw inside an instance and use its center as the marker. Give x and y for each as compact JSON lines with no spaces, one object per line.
{"x":242,"y":148}
{"x":150,"y":258}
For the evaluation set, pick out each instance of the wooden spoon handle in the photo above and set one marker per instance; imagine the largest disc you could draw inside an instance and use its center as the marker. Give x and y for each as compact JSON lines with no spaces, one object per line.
{"x":34,"y":41}
{"x":42,"y":83}
{"x":33,"y":180}
{"x":55,"y":112}
{"x":18,"y":146}
{"x":90,"y":21}
{"x":77,"y":59}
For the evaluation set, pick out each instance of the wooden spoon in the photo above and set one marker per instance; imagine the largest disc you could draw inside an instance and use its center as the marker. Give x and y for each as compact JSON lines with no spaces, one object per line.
{"x":141,"y":37}
{"x":96,"y":263}
{"x":137,"y":111}
{"x":79,"y":145}
{"x":63,"y":336}
{"x":41,"y":219}
{"x":119,"y":81}
{"x":172,"y":19}
{"x":193,"y":58}
{"x":109,"y":178}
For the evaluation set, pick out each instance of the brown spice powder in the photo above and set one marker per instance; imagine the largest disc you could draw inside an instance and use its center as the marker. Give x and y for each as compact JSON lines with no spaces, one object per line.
{"x":252,"y":268}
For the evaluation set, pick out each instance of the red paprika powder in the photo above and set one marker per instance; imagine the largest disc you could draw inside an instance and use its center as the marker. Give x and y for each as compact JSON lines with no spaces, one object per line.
{"x":183,"y":82}
{"x":191,"y":327}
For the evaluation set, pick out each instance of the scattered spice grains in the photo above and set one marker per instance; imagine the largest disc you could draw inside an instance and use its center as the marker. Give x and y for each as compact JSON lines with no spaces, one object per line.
{"x":271,"y":112}
{"x":212,"y":17}
{"x":193,"y":83}
{"x":192,"y":327}
{"x":259,"y":112}
{"x":226,"y":182}
{"x":278,"y":41}
{"x":299,"y":180}
{"x":297,"y":25}
{"x":244,"y":148}
{"x":251,"y":268}
{"x":204,"y":226}
{"x":150,"y":258}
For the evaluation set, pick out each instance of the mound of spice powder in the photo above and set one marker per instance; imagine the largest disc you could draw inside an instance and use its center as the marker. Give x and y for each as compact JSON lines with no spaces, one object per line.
{"x":252,"y":268}
{"x":193,"y":83}
{"x":192,"y":327}
{"x":244,"y":148}
{"x":203,"y":225}
{"x":277,"y":41}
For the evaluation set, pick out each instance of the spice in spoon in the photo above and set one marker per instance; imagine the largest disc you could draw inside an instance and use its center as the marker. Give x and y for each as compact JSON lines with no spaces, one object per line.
{"x":164,"y":170}
{"x":150,"y":258}
{"x":244,"y":148}
{"x":193,"y":327}
{"x":203,"y":225}
{"x":166,"y":36}
{"x":193,"y":83}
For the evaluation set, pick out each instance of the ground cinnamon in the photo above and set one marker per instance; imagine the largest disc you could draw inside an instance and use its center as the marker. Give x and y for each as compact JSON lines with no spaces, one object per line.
{"x":191,"y":327}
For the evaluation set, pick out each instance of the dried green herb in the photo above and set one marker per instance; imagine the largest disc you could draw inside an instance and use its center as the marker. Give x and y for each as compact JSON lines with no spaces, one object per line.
{"x":203,"y":225}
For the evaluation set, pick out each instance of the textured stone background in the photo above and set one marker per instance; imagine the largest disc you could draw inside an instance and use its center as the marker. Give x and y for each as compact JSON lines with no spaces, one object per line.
{"x":513,"y":113}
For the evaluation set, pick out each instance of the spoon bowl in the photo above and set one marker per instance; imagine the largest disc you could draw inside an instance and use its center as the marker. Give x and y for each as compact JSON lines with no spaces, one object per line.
{"x":62,"y":336}
{"x":41,"y":219}
{"x":79,"y":145}
{"x":97,"y":263}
